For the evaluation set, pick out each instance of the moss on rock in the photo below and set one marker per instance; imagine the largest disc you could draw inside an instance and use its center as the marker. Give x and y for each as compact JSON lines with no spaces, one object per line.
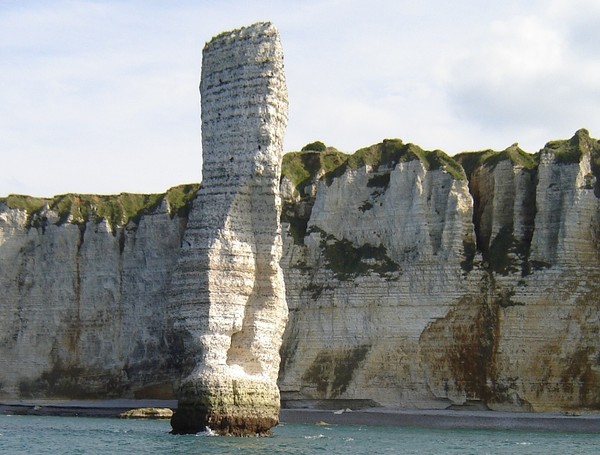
{"x":393,"y":151}
{"x":470,"y":161}
{"x":347,"y":261}
{"x":304,"y":167}
{"x":332,"y":371}
{"x":117,"y":209}
{"x":307,"y":166}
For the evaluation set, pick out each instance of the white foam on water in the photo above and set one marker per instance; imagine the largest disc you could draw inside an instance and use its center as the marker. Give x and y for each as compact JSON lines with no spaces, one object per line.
{"x":206,"y":433}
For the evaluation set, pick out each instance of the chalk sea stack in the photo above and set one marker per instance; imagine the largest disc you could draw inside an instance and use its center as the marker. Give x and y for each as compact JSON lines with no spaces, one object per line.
{"x":228,"y":294}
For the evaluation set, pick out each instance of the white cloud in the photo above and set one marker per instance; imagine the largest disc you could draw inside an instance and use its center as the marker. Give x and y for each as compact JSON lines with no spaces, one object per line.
{"x":524,"y":48}
{"x":103,"y":96}
{"x":526,"y":78}
{"x":97,"y":100}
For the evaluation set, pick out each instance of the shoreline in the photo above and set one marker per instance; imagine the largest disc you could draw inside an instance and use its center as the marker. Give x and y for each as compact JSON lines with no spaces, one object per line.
{"x":83,"y":408}
{"x":448,"y":419}
{"x":436,"y":419}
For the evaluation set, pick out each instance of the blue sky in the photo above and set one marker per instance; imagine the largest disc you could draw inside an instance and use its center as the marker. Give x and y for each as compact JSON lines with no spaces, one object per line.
{"x":102,"y":97}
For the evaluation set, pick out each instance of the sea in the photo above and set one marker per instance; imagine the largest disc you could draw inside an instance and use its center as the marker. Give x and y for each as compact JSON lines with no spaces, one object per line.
{"x":88,"y":435}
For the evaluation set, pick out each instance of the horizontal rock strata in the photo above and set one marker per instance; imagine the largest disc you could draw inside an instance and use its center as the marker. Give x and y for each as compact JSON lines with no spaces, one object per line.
{"x":413,"y":280}
{"x":82,"y":311}
{"x":414,"y":283}
{"x":228,"y":295}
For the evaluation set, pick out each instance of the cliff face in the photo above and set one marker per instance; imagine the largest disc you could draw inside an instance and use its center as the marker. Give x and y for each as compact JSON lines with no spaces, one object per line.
{"x":82,"y":305}
{"x":412,"y":279}
{"x":380,"y":260}
{"x":547,"y":344}
{"x":410,"y":284}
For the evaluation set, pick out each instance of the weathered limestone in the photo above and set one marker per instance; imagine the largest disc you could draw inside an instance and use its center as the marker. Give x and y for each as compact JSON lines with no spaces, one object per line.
{"x":456,"y":299}
{"x":147,"y":413}
{"x":82,"y":311}
{"x":413,"y":279}
{"x":228,"y":295}
{"x":380,"y":261}
{"x":547,"y":345}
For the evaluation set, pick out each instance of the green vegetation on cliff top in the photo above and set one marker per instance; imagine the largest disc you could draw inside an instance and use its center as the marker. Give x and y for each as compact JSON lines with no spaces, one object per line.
{"x":316,"y":146}
{"x":490,"y":158}
{"x":565,"y":151}
{"x":308,"y":165}
{"x":303,"y":167}
{"x":571,"y":150}
{"x":116,"y":209}
{"x":317,"y":160}
{"x":393,"y":151}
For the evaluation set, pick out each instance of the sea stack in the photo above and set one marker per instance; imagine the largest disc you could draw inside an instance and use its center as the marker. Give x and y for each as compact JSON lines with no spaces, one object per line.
{"x":228,"y":294}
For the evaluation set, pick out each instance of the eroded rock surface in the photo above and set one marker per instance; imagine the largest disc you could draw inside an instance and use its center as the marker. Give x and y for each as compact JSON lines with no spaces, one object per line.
{"x":82,"y":311}
{"x":411,"y":284}
{"x":147,"y":413}
{"x":413,"y":279}
{"x":381,"y":259}
{"x":228,"y":295}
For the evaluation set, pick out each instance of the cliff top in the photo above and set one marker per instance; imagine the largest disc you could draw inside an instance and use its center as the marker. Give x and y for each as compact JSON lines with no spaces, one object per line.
{"x":116,"y":209}
{"x":490,"y":158}
{"x":317,"y":161}
{"x":571,"y":150}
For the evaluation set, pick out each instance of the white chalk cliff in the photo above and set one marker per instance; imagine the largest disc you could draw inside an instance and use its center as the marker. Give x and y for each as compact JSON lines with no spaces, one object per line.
{"x":413,"y":279}
{"x":228,"y":294}
{"x":82,"y":309}
{"x":410,"y":285}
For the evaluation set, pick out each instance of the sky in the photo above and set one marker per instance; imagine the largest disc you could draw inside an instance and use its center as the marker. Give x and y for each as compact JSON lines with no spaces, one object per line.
{"x":102,"y":96}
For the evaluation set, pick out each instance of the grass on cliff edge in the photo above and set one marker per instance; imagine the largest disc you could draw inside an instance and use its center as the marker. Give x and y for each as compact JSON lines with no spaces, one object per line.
{"x":306,"y":166}
{"x":490,"y":158}
{"x":571,"y":150}
{"x":116,"y":209}
{"x":393,"y":151}
{"x":565,"y":151}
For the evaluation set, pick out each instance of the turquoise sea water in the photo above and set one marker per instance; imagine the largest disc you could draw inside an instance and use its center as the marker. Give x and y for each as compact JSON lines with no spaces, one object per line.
{"x":80,"y":435}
